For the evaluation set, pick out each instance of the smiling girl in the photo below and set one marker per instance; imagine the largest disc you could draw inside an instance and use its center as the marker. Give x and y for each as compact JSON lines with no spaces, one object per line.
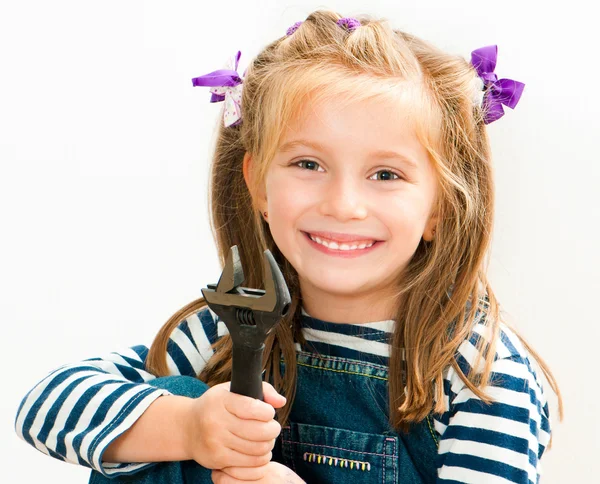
{"x":359,"y":156}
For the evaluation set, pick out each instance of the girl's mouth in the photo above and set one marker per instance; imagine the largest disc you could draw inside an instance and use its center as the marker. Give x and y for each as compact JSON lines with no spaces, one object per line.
{"x":346,"y":252}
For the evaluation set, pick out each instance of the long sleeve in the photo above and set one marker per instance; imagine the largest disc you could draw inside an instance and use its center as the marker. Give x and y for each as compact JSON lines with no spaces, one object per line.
{"x":500,"y":442}
{"x":77,"y":410}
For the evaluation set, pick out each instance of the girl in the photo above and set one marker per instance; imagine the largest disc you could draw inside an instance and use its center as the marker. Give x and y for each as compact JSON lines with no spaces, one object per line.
{"x":358,"y":155}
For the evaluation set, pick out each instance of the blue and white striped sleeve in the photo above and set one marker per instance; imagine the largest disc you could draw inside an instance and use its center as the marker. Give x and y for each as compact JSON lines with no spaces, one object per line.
{"x":77,"y":410}
{"x":498,"y":442}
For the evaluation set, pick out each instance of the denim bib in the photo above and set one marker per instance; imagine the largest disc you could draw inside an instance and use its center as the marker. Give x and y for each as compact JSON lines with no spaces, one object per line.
{"x":338,"y":430}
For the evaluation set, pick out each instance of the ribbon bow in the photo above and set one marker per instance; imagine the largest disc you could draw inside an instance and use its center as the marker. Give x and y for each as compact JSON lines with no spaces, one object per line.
{"x":226,"y":85}
{"x":498,"y":92}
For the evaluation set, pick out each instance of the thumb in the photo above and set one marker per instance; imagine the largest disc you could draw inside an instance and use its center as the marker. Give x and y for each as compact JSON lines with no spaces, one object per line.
{"x":272,"y":397}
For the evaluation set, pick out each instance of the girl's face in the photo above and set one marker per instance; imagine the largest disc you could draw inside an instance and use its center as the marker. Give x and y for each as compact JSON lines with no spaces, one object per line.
{"x":336,"y":173}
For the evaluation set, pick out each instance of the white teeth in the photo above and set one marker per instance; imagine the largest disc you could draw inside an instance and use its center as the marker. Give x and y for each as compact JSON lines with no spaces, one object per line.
{"x":334,"y":245}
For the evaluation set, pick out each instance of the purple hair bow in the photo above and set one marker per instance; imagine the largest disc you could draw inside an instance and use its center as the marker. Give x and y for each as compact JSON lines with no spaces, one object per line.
{"x":498,"y":92}
{"x":226,"y":85}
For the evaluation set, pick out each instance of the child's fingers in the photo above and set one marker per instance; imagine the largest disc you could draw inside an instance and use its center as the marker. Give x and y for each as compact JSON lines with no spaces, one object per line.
{"x":219,"y":477}
{"x":257,"y":431}
{"x":246,"y":473}
{"x":248,"y":408}
{"x":233,"y":458}
{"x":249,"y":447}
{"x":271,"y":396}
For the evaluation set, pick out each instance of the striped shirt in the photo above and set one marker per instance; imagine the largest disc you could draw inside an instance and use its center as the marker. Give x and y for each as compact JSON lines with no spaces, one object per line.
{"x":76,"y":411}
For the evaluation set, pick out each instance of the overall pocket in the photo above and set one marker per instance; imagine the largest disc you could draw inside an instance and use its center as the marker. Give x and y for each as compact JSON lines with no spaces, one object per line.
{"x":331,"y":455}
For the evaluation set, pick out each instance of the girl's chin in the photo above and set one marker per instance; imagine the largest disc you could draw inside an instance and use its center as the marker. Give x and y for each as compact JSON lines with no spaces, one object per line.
{"x":335,"y":284}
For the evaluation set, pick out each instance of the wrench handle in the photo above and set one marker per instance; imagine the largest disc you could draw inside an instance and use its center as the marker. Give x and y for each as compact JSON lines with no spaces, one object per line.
{"x":246,"y":371}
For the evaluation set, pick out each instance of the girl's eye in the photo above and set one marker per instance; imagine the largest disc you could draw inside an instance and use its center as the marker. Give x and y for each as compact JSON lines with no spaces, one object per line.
{"x":391,"y":172}
{"x":386,"y":178}
{"x":308,"y":162}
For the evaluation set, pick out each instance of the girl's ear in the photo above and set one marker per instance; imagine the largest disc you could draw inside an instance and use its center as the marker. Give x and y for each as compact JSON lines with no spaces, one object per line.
{"x":247,"y":169}
{"x":429,"y":232}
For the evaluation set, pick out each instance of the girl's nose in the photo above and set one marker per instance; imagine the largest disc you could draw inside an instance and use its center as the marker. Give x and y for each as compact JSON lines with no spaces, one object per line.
{"x":344,"y":200}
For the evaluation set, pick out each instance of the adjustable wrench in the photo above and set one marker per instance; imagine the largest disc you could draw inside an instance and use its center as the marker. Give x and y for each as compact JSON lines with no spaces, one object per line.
{"x":250,"y":315}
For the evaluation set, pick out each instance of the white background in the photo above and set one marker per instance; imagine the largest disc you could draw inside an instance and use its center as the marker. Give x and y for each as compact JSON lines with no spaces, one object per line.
{"x":104,"y":152}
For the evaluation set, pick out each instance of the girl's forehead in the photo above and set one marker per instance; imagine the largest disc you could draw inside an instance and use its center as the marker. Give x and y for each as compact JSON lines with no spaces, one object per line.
{"x":403,"y":107}
{"x":380,"y":120}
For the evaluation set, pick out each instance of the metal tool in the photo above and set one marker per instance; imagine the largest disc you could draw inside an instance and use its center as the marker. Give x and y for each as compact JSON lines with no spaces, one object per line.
{"x":250,"y":315}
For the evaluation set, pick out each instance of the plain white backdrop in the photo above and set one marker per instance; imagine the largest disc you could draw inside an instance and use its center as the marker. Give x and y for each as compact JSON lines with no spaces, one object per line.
{"x":104,"y":152}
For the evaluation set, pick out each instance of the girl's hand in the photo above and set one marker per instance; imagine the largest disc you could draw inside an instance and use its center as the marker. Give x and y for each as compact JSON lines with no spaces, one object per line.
{"x":272,"y":473}
{"x":225,"y":429}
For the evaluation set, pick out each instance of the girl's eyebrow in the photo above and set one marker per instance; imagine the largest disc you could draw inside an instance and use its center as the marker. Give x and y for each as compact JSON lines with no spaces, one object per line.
{"x":290,"y":145}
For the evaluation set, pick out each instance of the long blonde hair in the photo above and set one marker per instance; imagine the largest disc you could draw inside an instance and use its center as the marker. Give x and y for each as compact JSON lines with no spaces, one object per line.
{"x":322,"y":60}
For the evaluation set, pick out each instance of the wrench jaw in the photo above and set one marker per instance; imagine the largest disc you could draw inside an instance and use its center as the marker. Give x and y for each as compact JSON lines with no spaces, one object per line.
{"x":275,"y":288}
{"x":260,"y":308}
{"x":250,"y":316}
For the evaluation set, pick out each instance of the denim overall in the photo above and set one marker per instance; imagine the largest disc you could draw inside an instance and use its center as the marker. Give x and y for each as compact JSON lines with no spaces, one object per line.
{"x":338,"y":431}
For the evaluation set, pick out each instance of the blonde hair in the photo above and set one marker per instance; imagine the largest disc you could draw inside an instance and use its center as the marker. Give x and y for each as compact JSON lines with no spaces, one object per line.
{"x":322,"y":61}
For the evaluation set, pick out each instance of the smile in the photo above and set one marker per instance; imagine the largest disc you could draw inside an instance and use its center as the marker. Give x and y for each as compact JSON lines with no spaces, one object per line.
{"x":347,"y":250}
{"x":341,"y":246}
